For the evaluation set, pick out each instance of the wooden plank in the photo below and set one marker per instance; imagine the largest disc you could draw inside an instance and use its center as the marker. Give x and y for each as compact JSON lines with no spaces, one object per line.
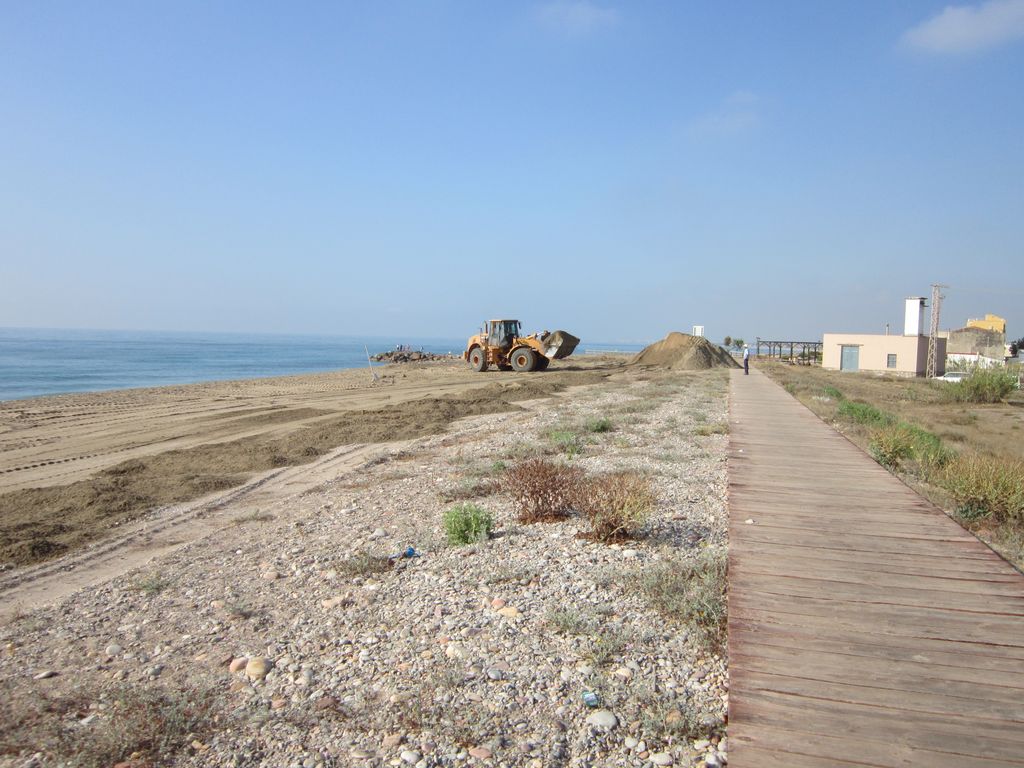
{"x":792,"y":555}
{"x":940,"y":653}
{"x":1002,"y":684}
{"x":865,"y":626}
{"x":832,"y":750}
{"x":941,"y":733}
{"x":804,"y":584}
{"x":880,"y":577}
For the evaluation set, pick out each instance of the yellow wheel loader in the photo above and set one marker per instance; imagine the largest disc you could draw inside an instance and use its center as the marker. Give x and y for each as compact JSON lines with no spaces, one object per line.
{"x":500,"y":343}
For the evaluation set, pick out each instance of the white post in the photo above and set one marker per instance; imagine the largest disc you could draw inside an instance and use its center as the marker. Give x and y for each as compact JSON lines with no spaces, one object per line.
{"x":370,"y":364}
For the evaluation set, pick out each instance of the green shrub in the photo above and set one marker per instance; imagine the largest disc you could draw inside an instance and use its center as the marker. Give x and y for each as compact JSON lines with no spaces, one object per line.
{"x":567,"y":441}
{"x":598,"y":425}
{"x":830,"y":391}
{"x":891,"y":445}
{"x":862,"y":413}
{"x":467,"y":524}
{"x":617,"y":505}
{"x":987,"y":487}
{"x":542,"y":490}
{"x":894,"y":444}
{"x":984,"y":385}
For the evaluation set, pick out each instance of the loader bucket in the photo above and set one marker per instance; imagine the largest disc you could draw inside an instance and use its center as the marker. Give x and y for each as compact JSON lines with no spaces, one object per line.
{"x":559,"y":344}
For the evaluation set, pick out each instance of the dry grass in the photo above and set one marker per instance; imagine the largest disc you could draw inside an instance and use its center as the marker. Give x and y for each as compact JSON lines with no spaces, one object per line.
{"x":542,"y":490}
{"x":987,"y":487}
{"x":147,"y":724}
{"x":364,"y":564}
{"x":617,"y":506}
{"x":691,"y":592}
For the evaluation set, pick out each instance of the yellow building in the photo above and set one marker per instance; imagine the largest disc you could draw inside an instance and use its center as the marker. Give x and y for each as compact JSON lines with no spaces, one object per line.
{"x":988,"y":323}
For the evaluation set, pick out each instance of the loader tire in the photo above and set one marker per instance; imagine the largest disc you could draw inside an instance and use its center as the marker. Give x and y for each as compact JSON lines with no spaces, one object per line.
{"x":477,"y":359}
{"x":523,"y":359}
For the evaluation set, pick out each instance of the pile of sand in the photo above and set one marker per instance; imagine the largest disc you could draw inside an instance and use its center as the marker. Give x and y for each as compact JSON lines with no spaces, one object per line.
{"x":683,"y":352}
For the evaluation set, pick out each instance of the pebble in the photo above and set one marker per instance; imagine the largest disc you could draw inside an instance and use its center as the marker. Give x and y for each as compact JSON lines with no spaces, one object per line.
{"x":340,"y":649}
{"x":713,"y":761}
{"x":257,"y":668}
{"x":45,"y":675}
{"x":113,"y":649}
{"x":603,"y":718}
{"x":661,"y":758}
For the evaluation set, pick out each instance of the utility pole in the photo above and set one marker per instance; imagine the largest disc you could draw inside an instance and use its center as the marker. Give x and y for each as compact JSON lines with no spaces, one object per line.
{"x":933,"y":333}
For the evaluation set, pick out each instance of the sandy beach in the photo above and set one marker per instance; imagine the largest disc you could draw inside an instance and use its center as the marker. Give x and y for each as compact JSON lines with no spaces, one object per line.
{"x":75,"y":467}
{"x":271,"y":609}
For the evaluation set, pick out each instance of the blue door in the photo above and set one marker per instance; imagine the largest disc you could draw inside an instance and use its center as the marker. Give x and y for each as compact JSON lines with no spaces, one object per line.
{"x":850,"y":359}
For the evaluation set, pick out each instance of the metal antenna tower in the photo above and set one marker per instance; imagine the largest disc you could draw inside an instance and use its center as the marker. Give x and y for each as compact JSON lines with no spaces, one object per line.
{"x":933,"y":333}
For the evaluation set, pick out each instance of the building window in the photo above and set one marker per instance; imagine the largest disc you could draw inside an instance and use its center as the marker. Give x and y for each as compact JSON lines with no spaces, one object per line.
{"x":890,"y":361}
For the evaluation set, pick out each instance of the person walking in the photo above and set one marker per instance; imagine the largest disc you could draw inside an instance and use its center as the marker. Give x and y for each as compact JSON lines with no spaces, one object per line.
{"x":746,"y":360}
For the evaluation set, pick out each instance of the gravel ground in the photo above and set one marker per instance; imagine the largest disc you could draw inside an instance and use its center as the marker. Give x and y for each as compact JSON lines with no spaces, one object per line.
{"x":290,"y":640}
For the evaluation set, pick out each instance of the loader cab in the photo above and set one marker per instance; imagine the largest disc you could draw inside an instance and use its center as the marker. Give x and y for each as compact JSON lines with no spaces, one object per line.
{"x":500,"y":333}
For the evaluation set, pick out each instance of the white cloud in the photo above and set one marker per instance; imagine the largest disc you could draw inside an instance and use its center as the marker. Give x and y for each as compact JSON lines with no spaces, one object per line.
{"x":738,"y":113}
{"x":576,"y":17}
{"x":969,"y":28}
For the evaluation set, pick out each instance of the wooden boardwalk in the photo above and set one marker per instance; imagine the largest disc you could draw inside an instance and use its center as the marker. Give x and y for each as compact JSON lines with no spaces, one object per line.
{"x":865,"y":626}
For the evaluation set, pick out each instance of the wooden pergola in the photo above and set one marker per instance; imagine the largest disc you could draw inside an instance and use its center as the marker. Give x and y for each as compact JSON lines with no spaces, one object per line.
{"x":803,"y":352}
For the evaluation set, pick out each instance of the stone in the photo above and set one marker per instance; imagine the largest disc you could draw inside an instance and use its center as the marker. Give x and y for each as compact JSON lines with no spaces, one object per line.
{"x":661,"y":758}
{"x":410,"y":756}
{"x":392,"y":740}
{"x":624,"y":673}
{"x":455,"y":651}
{"x":237,"y":665}
{"x":630,"y":742}
{"x":45,"y":675}
{"x":270,"y":575}
{"x":326,"y":702}
{"x":113,"y":649}
{"x":701,"y":744}
{"x":510,"y":612}
{"x":378,"y":533}
{"x":603,"y":718}
{"x":713,"y":761}
{"x":481,"y":753}
{"x":675,"y":716}
{"x":257,"y":668}
{"x":497,"y":603}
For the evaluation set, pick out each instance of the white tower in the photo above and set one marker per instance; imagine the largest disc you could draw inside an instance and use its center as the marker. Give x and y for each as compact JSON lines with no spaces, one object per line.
{"x":913,"y":319}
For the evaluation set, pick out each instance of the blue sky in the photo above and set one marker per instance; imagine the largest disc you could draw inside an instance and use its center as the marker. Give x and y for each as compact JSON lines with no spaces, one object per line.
{"x":616,"y":169}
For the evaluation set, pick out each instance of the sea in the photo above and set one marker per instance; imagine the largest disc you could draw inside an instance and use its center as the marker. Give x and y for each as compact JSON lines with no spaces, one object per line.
{"x":36,"y":361}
